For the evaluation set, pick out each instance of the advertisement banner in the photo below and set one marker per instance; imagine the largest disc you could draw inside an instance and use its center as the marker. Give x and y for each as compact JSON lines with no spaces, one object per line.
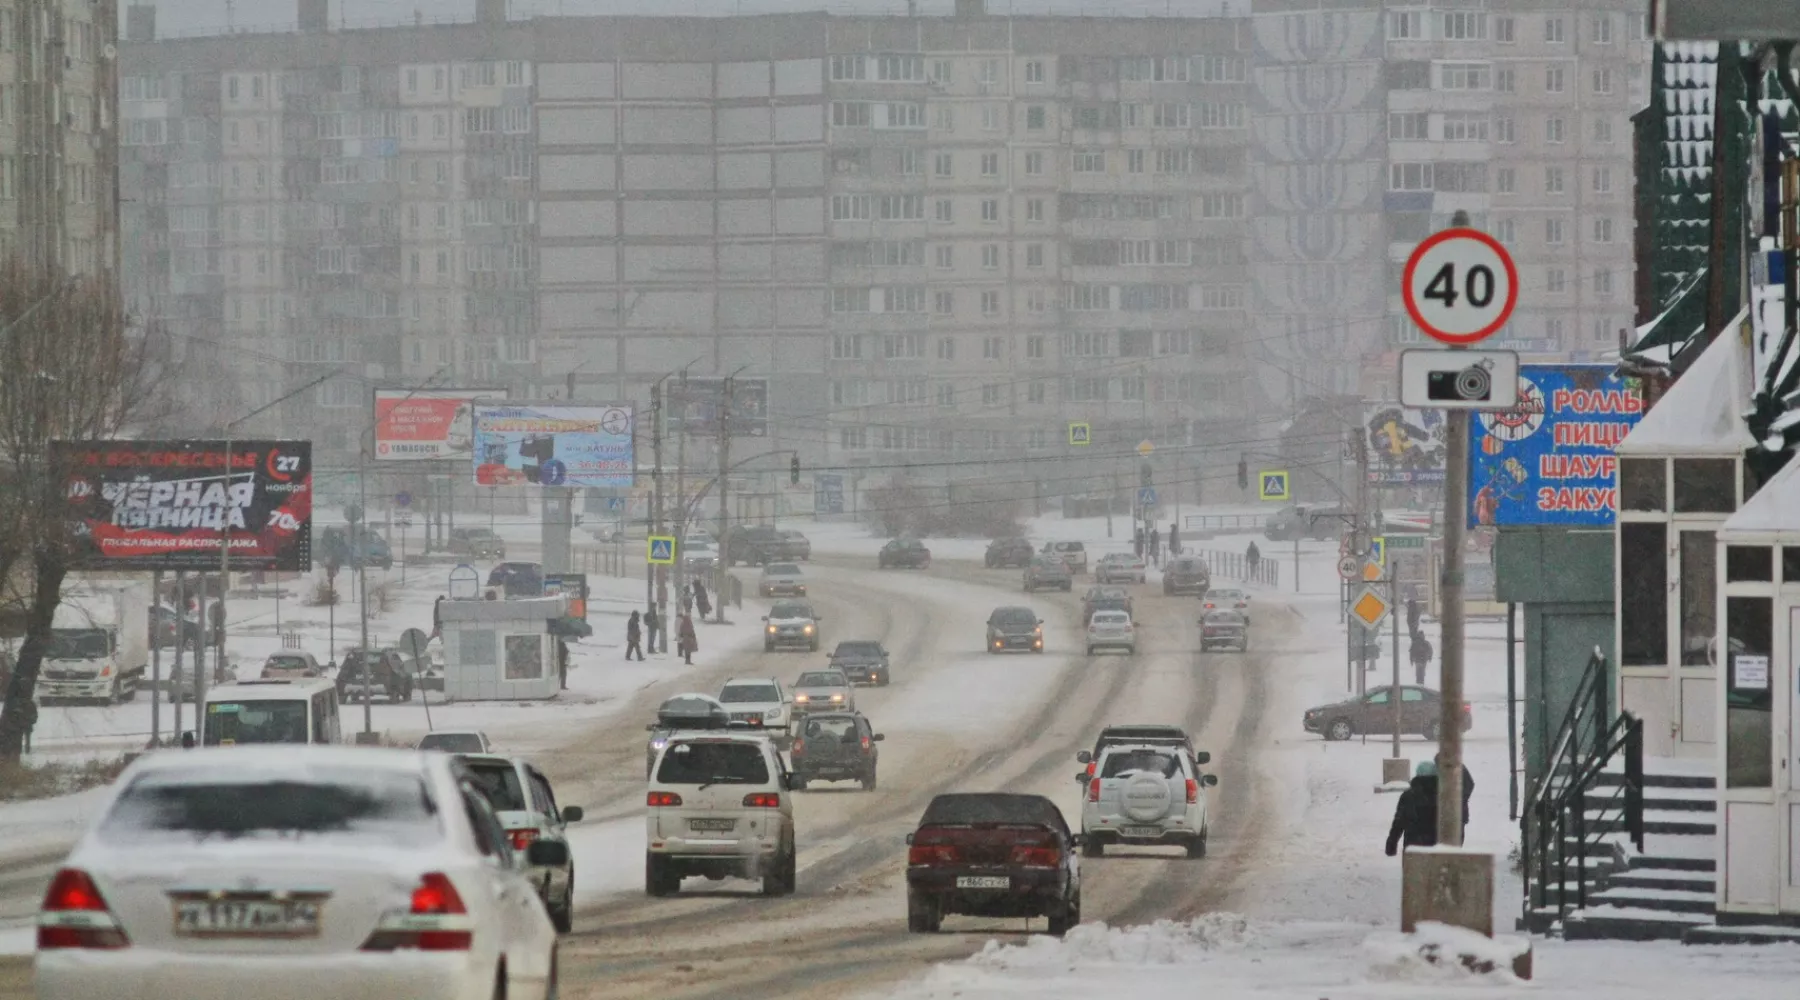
{"x":149,"y":505}
{"x":828,"y":493}
{"x":413,"y":425}
{"x":1406,"y":447}
{"x":531,"y":445}
{"x":1550,"y":459}
{"x":694,"y":407}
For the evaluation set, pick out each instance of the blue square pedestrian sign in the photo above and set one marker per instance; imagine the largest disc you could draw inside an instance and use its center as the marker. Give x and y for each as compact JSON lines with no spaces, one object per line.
{"x":1147,"y":496}
{"x":662,"y":550}
{"x":1272,"y":484}
{"x":1378,"y":550}
{"x":1080,"y":434}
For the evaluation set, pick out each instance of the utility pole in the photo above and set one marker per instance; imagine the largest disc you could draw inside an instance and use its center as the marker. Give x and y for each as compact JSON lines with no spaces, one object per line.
{"x":1450,"y":619}
{"x":681,"y":497}
{"x":722,"y":565}
{"x":1359,"y":547}
{"x":654,"y":518}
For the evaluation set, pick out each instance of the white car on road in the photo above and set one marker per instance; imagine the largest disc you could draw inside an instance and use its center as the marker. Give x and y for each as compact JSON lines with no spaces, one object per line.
{"x":1148,"y":795}
{"x":756,"y":701}
{"x":719,"y":807}
{"x":1111,"y":630}
{"x":296,"y":873}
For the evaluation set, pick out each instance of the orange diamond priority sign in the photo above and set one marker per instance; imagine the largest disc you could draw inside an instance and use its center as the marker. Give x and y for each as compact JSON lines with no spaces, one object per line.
{"x":1370,"y":608}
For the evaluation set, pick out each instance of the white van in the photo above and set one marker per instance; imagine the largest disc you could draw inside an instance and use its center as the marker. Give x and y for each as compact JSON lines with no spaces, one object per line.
{"x":303,"y":710}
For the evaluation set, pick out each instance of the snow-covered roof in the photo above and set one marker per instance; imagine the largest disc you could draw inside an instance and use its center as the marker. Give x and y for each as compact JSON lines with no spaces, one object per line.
{"x":1702,"y":412}
{"x":1775,"y":509}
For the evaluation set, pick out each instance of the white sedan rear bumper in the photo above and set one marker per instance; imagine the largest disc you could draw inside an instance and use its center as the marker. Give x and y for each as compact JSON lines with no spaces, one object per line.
{"x":140,"y":972}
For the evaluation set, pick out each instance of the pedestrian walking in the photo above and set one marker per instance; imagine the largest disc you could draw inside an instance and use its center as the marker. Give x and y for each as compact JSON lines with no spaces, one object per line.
{"x":1137,"y":543}
{"x":1412,"y":614}
{"x":701,"y":601}
{"x":687,"y":599}
{"x":562,"y":664}
{"x":688,"y":642}
{"x":653,"y":630}
{"x":1155,"y":544}
{"x":31,"y":717}
{"x":437,"y":617}
{"x":1420,"y":653}
{"x":633,"y":637}
{"x":1174,"y":539}
{"x":1415,"y":815}
{"x":1252,"y":557}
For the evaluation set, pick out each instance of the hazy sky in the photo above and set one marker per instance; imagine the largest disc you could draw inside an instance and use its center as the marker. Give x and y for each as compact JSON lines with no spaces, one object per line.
{"x":190,"y":16}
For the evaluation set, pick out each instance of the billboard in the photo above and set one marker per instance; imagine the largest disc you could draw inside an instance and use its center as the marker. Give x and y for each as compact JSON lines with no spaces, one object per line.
{"x":414,"y":425}
{"x":149,"y":505}
{"x":532,"y":445}
{"x":1550,"y":459}
{"x":694,"y":407}
{"x":1726,"y":20}
{"x":1406,"y":447}
{"x":828,"y":493}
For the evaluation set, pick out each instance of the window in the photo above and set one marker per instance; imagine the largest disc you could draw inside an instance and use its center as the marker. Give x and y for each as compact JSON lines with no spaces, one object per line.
{"x":1554,"y":79}
{"x":1600,"y":29}
{"x":1556,"y":280}
{"x":1603,"y":80}
{"x":1134,"y":161}
{"x":1464,"y":76}
{"x":1603,"y":282}
{"x":1553,"y":180}
{"x":1409,"y":177}
{"x":1465,"y":127}
{"x":1090,"y":161}
{"x":850,"y":114}
{"x":1034,"y":164}
{"x":904,"y":345}
{"x":990,"y":395}
{"x":1505,"y":231}
{"x":1553,"y":232}
{"x":852,"y":207}
{"x":990,"y":303}
{"x":515,"y":73}
{"x":1221,"y":297}
{"x":901,"y":207}
{"x":1036,"y":118}
{"x":943,"y":165}
{"x":1218,"y":206}
{"x":1603,"y":229}
{"x":1037,"y":439}
{"x":1506,"y":29}
{"x":1643,"y":595}
{"x":946,"y":395}
{"x":1705,"y":486}
{"x":944,"y":210}
{"x":853,"y":438}
{"x":1506,"y":181}
{"x":1555,"y":130}
{"x":1169,"y":115}
{"x":1220,"y":69}
{"x":991,"y":117}
{"x":904,"y":299}
{"x":849,"y":300}
{"x":1034,"y":210}
{"x":1406,"y":24}
{"x":1408,"y":75}
{"x":1749,"y":637}
{"x":1642,"y":484}
{"x":1555,"y":29}
{"x":1465,"y":26}
{"x":1603,"y":129}
{"x":990,"y":256}
{"x":943,"y":303}
{"x":908,"y":162}
{"x":1505,"y":131}
{"x":944,"y":119}
{"x":849,"y":68}
{"x":940,"y":71}
{"x":1602,"y":180}
{"x":1034,"y":71}
{"x":849,"y":393}
{"x":1174,"y":161}
{"x":900,"y":69}
{"x":1034,"y":349}
{"x":1219,"y":114}
{"x":1409,"y":125}
{"x":944,"y":256}
{"x":988,"y":71}
{"x":990,"y":210}
{"x":990,"y":164}
{"x":993,"y":348}
{"x":1462,"y":177}
{"x":1090,"y":298}
{"x":1506,"y":80}
{"x":902,"y":115}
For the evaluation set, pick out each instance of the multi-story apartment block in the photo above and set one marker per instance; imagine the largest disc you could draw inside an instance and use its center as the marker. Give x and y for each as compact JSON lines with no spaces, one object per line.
{"x":59,"y":134}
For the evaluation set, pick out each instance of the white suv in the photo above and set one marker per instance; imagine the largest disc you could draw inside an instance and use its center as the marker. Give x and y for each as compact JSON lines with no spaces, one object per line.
{"x":1111,"y":630}
{"x":1144,"y":794}
{"x":756,"y":701}
{"x":719,"y":807}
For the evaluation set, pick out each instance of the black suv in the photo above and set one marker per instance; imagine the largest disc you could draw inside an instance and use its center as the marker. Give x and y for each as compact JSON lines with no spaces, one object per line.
{"x":862,"y":660}
{"x":518,"y":579}
{"x":904,"y":553}
{"x":835,"y":746}
{"x":388,"y":676}
{"x":1015,"y":628}
{"x":478,"y":543}
{"x":754,"y":545}
{"x":1187,"y":575}
{"x":1004,"y":552}
{"x":992,"y":854}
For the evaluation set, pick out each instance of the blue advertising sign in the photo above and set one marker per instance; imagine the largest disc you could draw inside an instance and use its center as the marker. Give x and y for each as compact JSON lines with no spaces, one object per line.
{"x":520,"y":445}
{"x":828,"y":493}
{"x":1550,"y":460}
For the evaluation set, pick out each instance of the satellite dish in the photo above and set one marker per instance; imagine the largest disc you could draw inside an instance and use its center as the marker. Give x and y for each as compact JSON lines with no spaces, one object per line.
{"x":109,"y":51}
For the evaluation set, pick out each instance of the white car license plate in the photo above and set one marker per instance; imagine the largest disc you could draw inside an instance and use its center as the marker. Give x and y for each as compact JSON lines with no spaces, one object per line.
{"x":983,"y":882}
{"x":1142,"y":831}
{"x":246,"y":918}
{"x":713,"y":825}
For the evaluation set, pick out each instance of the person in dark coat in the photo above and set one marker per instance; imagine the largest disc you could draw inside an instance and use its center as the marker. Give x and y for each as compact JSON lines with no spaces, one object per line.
{"x":1174,"y":539}
{"x":1155,"y":547}
{"x":701,"y":601}
{"x":1137,"y":543}
{"x":687,"y":642}
{"x":633,"y":637}
{"x":1252,"y":556}
{"x":562,"y":664}
{"x":1420,"y":654}
{"x":1415,"y":815}
{"x":653,"y":628}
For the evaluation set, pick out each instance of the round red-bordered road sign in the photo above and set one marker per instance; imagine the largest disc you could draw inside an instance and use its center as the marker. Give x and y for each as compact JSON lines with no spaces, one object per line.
{"x":1460,"y":286}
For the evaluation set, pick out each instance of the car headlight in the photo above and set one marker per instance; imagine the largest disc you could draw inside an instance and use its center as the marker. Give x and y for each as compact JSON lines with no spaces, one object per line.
{"x":771,"y":630}
{"x":658,"y":743}
{"x":808,"y":629}
{"x":837,"y":697}
{"x":802,"y":698}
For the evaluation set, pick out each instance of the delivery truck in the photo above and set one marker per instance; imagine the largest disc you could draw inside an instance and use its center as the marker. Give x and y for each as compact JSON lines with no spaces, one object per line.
{"x":99,"y":642}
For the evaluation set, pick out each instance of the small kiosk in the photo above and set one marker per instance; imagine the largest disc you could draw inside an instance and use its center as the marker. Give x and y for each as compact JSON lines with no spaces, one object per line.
{"x":501,"y":650}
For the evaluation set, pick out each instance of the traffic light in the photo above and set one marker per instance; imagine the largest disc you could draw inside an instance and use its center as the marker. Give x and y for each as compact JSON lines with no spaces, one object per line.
{"x":1243,"y":472}
{"x":1144,"y":474}
{"x":794,"y":471}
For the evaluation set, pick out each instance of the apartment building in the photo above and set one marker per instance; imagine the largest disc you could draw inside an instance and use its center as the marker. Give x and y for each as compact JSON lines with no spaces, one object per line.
{"x":58,"y":133}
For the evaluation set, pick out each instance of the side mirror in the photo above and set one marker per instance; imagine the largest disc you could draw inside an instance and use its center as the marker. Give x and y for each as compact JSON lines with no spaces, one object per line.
{"x":877,"y":738}
{"x":1074,"y":840}
{"x":909,"y":840}
{"x":1040,"y":621}
{"x":547,"y":854}
{"x":651,"y":728}
{"x":1209,"y":780}
{"x":572,"y":814}
{"x":187,"y":741}
{"x":1081,"y":777}
{"x":1203,"y":757}
{"x":1084,"y":757}
{"x":765,"y":617}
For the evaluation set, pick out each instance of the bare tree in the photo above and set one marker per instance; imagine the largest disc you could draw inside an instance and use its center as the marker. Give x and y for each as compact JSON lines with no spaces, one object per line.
{"x":72,"y":373}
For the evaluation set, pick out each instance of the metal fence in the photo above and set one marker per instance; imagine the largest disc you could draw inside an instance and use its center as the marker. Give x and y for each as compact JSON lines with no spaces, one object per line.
{"x":1222,"y":524}
{"x":1233,"y":566}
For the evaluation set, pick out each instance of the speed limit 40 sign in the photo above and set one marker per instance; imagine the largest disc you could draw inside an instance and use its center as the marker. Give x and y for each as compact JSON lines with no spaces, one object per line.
{"x":1460,"y":286}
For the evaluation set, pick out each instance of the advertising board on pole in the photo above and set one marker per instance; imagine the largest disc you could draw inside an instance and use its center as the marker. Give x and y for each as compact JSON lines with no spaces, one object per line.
{"x":828,"y":493}
{"x":520,"y":445}
{"x":1550,"y":459}
{"x":150,"y":505}
{"x":1406,"y":446}
{"x":413,"y":425}
{"x":692,"y":406}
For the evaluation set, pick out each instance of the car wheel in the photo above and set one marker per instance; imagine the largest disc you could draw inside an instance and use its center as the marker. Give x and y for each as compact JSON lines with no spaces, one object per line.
{"x":118,"y":688}
{"x":1091,"y":848}
{"x":1196,"y":848}
{"x":924,"y":914}
{"x":563,"y":917}
{"x":1431,"y":730}
{"x":868,"y":781}
{"x":658,"y":880}
{"x":1090,"y":651}
{"x":1339,"y":729}
{"x":1064,"y":919}
{"x":768,"y":647}
{"x":799,"y":783}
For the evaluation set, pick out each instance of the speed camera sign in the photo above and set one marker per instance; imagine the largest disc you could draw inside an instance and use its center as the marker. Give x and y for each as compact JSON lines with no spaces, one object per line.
{"x":1460,"y":286}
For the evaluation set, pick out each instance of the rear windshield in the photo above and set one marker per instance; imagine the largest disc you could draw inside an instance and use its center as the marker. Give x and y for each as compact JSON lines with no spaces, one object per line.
{"x":279,"y":662}
{"x":499,"y":781}
{"x":992,"y":808}
{"x":837,"y":729}
{"x":381,"y":807}
{"x":713,"y":763}
{"x":823,"y":678}
{"x":783,"y":569}
{"x":858,"y":649}
{"x":452,"y":743}
{"x":791,"y":611}
{"x":1127,"y":761}
{"x":740,"y":693}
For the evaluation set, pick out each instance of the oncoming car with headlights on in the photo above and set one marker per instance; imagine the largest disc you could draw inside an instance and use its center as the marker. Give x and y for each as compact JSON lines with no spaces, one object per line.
{"x":1015,"y":628}
{"x":297,"y":873}
{"x":791,"y":625}
{"x":823,"y":691}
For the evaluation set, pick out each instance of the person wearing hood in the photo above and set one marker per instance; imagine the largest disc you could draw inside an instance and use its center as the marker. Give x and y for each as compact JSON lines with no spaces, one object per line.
{"x":1415,"y":815}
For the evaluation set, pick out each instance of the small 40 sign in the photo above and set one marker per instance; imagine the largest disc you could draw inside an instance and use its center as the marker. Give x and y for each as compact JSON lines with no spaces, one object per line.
{"x":1460,"y":286}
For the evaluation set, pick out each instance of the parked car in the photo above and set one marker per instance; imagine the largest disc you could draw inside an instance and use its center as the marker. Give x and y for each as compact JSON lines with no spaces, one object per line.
{"x":1187,"y":575}
{"x":289,"y":664}
{"x":1373,"y":715}
{"x":904,"y":553}
{"x":526,"y":807}
{"x":992,"y":854}
{"x":862,"y":660}
{"x":517,"y":579}
{"x":1119,"y":567}
{"x":477,"y":543}
{"x":794,"y":545}
{"x":457,"y":741}
{"x":835,"y":746}
{"x":346,"y":546}
{"x":388,"y":676}
{"x":753,"y":544}
{"x":1004,"y":552}
{"x":781,"y":580}
{"x":1148,"y":795}
{"x":1073,"y":555}
{"x":1015,"y":628}
{"x":1111,"y":630}
{"x":1047,"y":573}
{"x":1224,"y":630}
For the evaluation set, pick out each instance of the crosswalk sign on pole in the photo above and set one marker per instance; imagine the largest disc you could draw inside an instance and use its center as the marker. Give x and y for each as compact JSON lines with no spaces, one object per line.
{"x":1079,"y":434}
{"x":1272,"y":484}
{"x":1147,"y":496}
{"x":662,"y":550}
{"x":1378,"y":550}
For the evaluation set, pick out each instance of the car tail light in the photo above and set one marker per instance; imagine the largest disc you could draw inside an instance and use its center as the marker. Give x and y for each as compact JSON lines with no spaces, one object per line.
{"x":866,"y":744}
{"x":1036,"y":857}
{"x":437,"y":920}
{"x":933,"y":854}
{"x":762,"y":800}
{"x":1094,"y":790}
{"x":521,"y":839}
{"x":799,"y":746}
{"x":1091,"y":766}
{"x":75,"y":915}
{"x":662,"y":799}
{"x":1193,"y":791}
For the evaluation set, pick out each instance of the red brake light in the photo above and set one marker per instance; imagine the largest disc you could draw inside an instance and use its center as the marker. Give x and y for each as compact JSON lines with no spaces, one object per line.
{"x":1193,"y":789}
{"x":799,"y":746}
{"x":521,"y":839}
{"x":1091,"y":766}
{"x":655,"y":799}
{"x":1036,"y":857}
{"x":933,"y":854}
{"x":866,"y":744}
{"x":762,"y":800}
{"x":436,"y":896}
{"x":74,"y":915}
{"x":1094,"y":790}
{"x":437,"y":920}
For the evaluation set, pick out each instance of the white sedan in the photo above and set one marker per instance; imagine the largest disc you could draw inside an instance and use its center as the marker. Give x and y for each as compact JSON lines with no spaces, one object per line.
{"x":296,"y":873}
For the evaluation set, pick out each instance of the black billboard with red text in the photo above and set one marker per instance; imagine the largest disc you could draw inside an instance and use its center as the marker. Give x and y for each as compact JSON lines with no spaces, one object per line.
{"x":151,"y":505}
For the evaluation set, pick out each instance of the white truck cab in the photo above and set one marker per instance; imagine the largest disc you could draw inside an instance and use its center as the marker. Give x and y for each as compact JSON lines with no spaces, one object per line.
{"x":99,"y":642}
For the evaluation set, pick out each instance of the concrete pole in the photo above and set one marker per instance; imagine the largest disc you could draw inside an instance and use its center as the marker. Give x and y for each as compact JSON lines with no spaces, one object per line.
{"x":1450,"y":691}
{"x":721,"y":565}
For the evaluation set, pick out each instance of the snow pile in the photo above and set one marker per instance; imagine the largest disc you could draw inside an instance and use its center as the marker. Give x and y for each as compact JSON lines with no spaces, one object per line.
{"x":1440,"y":953}
{"x":1165,"y":942}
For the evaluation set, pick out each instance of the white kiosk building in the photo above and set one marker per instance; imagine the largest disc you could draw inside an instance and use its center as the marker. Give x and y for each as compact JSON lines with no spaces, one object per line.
{"x":501,"y":650}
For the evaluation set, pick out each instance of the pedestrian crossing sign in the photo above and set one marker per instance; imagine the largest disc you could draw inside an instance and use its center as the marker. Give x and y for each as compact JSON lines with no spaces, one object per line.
{"x":1272,"y":484}
{"x":1378,"y":550}
{"x":1079,"y":434}
{"x":662,"y":550}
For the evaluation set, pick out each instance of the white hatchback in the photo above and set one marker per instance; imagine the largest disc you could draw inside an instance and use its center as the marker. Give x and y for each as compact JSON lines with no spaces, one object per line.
{"x":295,"y":873}
{"x":1149,"y":795}
{"x":1111,"y":630}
